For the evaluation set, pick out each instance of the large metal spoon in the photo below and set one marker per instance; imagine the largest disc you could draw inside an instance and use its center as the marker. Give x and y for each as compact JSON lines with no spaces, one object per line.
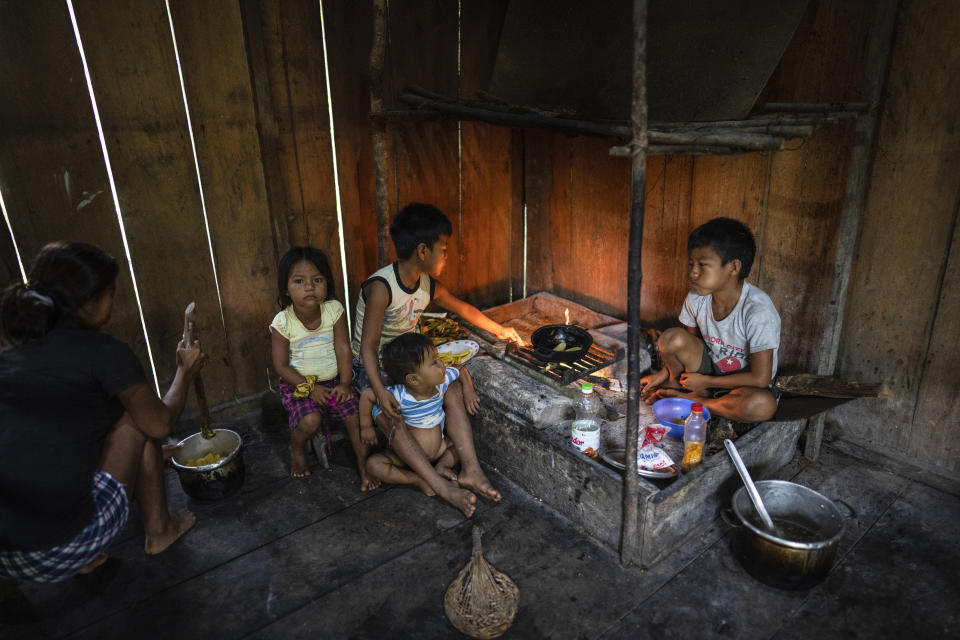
{"x":748,"y":481}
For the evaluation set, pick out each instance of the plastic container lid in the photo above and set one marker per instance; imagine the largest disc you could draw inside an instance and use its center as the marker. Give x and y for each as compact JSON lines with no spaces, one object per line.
{"x":586,"y":387}
{"x":697,"y":407}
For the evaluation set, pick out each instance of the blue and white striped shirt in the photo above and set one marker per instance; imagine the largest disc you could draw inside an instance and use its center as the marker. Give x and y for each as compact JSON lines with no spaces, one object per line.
{"x":422,"y":414}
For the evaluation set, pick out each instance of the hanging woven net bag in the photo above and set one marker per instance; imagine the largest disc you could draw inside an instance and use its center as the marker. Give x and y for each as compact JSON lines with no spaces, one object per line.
{"x":481,"y":602}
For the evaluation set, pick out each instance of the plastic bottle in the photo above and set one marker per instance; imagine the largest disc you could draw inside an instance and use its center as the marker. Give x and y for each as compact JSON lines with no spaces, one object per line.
{"x":694,"y":437}
{"x":585,"y":430}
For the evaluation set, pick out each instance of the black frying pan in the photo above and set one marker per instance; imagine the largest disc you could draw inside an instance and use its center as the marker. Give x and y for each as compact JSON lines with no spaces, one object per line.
{"x":547,"y":338}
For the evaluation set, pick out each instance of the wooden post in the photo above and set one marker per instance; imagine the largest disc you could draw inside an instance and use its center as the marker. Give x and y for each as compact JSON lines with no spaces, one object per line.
{"x":378,"y":125}
{"x":638,"y":184}
{"x":854,"y":200}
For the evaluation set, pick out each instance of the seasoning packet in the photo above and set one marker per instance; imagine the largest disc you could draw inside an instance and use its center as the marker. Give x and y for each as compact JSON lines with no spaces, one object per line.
{"x":649,"y":456}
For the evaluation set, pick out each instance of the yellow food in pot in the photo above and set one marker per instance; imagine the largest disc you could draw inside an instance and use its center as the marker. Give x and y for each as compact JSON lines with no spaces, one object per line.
{"x":210,"y":458}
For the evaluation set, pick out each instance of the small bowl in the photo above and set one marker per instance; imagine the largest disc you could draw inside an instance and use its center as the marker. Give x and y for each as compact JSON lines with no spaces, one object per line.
{"x":669,"y":409}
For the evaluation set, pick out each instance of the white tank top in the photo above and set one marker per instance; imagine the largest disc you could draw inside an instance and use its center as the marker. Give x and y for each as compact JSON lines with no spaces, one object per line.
{"x":404,"y":306}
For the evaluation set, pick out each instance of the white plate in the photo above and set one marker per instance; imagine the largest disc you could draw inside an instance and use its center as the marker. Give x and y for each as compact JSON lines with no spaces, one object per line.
{"x":456,"y":346}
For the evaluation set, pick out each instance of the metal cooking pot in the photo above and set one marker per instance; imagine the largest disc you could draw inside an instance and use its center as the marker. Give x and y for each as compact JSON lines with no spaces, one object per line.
{"x":212,"y":481}
{"x":801,"y":551}
{"x":545,"y":340}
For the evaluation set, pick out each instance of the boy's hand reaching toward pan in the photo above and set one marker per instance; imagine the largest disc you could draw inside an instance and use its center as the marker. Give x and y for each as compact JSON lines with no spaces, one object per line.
{"x":510,"y":334}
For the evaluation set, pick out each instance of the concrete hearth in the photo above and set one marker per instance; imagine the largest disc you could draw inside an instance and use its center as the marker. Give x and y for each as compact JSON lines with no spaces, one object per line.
{"x":523,"y":430}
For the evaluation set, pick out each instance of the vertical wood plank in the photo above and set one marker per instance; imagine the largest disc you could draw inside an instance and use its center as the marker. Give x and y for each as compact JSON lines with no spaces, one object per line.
{"x":904,"y":241}
{"x":217,"y":79}
{"x":539,"y":200}
{"x":423,"y":51}
{"x":52,"y":173}
{"x":133,"y":68}
{"x":666,"y":225}
{"x":935,"y":421}
{"x":349,"y":34}
{"x":803,"y":215}
{"x":590,"y":236}
{"x":824,"y":63}
{"x":487,"y":221}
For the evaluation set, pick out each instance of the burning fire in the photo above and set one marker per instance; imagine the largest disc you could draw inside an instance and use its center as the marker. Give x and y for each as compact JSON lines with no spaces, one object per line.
{"x":566,"y":316}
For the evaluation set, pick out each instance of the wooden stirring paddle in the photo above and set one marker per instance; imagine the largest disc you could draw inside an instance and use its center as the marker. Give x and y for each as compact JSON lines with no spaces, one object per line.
{"x":189,"y":318}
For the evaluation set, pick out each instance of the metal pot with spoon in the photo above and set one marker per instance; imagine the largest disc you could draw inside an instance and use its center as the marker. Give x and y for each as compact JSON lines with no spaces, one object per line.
{"x":209,"y":463}
{"x":785,"y":534}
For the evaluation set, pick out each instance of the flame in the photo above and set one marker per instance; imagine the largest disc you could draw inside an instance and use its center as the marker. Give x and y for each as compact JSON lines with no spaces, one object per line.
{"x":566,"y":316}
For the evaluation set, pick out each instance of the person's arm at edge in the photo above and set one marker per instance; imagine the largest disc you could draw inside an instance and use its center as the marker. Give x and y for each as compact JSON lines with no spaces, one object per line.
{"x":341,"y":346}
{"x":155,"y":416}
{"x":471,"y":314}
{"x":376,"y":305}
{"x":471,"y":400}
{"x":280,"y":356}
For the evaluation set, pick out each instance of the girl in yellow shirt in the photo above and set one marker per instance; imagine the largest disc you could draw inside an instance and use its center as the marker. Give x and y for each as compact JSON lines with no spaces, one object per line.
{"x":311,"y":354}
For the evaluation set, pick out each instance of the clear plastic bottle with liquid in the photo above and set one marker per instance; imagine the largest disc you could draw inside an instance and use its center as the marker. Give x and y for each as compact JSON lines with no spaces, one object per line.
{"x":694,"y":437}
{"x":585,"y":430}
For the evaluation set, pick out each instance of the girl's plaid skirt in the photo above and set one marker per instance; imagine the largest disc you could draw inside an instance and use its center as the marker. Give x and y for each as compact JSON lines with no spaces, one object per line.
{"x":111,"y":508}
{"x":297,"y":408}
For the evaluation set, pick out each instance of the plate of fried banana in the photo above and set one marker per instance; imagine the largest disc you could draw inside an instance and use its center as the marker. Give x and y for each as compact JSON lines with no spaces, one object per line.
{"x":456,"y":352}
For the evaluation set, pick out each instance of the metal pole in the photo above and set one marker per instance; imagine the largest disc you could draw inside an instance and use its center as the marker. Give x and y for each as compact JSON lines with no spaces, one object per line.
{"x":638,"y":182}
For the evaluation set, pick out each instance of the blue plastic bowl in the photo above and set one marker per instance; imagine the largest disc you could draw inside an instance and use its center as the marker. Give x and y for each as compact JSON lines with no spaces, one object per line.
{"x":668,"y":409}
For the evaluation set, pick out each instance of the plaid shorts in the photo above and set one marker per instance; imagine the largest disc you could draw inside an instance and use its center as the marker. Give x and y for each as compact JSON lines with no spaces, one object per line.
{"x":297,"y":408}
{"x":111,"y":508}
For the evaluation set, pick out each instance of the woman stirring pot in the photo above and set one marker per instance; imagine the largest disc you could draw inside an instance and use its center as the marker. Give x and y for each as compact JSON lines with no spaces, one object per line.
{"x":81,"y":424}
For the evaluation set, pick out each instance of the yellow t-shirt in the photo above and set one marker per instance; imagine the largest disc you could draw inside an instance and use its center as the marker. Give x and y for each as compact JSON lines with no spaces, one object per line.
{"x":311,"y":350}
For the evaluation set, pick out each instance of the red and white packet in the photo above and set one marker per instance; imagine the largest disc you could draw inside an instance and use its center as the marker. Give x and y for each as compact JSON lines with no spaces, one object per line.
{"x":649,"y":456}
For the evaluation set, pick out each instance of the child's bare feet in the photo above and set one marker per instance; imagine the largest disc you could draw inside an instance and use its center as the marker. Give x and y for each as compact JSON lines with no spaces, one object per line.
{"x":446,"y":472}
{"x":177,"y":524}
{"x":368,"y":482}
{"x":99,"y":560}
{"x":426,"y":488}
{"x":462,"y":499}
{"x":476,"y":480}
{"x":298,"y":461}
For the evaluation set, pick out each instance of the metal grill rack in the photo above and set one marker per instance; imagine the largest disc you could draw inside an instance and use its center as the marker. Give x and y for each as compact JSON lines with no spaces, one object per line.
{"x":563,"y":373}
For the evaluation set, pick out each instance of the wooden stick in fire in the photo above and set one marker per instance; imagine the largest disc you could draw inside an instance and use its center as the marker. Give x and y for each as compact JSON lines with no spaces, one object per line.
{"x":189,"y":337}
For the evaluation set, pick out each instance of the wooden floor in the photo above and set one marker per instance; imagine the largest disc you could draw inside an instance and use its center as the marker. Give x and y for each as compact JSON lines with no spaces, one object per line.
{"x":318,"y":558}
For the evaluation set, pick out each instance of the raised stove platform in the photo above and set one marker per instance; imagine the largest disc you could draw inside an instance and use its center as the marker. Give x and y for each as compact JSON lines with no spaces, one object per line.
{"x":523,"y":430}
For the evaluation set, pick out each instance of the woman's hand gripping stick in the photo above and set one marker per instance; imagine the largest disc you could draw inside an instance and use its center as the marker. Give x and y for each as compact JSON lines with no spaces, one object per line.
{"x":189,"y":338}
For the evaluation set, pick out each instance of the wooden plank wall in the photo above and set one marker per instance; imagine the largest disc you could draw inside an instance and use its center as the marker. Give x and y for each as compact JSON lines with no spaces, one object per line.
{"x":56,"y":184}
{"x":902,"y":316}
{"x":255,"y":75}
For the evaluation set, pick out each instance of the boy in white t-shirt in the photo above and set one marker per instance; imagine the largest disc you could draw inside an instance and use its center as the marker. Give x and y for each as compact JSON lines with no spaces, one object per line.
{"x":727,"y":356}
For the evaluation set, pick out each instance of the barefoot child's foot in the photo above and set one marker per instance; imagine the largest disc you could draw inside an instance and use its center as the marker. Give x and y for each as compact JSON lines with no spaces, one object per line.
{"x":462,"y":499}
{"x":425,"y":487}
{"x":368,"y":482}
{"x":446,"y":472}
{"x":476,"y":481}
{"x":177,"y":524}
{"x":298,"y":461}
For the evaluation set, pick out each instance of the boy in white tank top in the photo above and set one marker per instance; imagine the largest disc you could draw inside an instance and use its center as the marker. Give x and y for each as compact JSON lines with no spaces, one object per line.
{"x":390,"y":304}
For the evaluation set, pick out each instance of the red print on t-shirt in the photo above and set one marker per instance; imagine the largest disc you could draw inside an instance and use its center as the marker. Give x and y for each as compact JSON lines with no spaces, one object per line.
{"x":728,"y":364}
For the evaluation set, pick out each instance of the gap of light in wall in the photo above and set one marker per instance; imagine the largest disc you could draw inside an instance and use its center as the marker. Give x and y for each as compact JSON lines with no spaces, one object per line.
{"x":196,"y":165}
{"x":336,"y":175}
{"x":459,"y":156}
{"x":524,"y":249}
{"x":113,"y":190}
{"x":13,"y":239}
